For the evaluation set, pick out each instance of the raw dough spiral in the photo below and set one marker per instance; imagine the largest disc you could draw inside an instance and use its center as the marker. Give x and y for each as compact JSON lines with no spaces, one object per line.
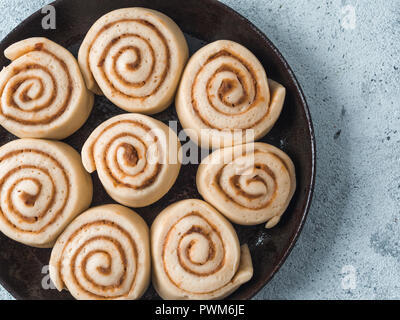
{"x":196,"y":253}
{"x":103,"y":254}
{"x":43,"y":186}
{"x":136,"y":157}
{"x":249,"y":184}
{"x":42,"y":92}
{"x":135,"y":56}
{"x":224,"y":97}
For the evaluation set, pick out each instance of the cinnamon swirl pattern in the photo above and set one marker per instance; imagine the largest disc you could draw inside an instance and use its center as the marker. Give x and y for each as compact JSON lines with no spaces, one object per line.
{"x":196,"y":253}
{"x":103,"y":254}
{"x":135,"y":56}
{"x":224,"y":97}
{"x":43,"y":186}
{"x":249,"y":184}
{"x":42,"y":92}
{"x":136,"y":157}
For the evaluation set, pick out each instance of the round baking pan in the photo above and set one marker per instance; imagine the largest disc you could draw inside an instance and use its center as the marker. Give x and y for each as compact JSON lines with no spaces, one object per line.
{"x":24,"y":271}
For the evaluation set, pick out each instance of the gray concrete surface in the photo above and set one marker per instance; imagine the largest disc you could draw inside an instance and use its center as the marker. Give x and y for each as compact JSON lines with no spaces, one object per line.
{"x":346,"y":57}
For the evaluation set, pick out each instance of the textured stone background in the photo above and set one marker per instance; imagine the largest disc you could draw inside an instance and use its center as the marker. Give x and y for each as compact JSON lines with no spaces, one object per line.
{"x":349,"y":247}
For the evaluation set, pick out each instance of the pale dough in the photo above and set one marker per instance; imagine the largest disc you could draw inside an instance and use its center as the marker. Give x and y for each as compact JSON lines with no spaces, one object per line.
{"x":103,"y":254}
{"x":42,"y":91}
{"x":249,"y":184}
{"x":136,"y":157}
{"x":43,"y":186}
{"x":196,"y":253}
{"x":224,"y":97}
{"x":135,"y":57}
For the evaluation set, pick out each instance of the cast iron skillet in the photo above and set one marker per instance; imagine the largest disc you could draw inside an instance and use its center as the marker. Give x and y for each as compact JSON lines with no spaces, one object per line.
{"x":22,"y":268}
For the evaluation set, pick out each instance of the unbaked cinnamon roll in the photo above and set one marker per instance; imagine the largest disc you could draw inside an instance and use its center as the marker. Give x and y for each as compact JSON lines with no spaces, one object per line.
{"x":135,"y":56}
{"x":224,"y":97}
{"x":196,"y":253}
{"x":136,"y":157}
{"x":42,"y":91}
{"x":43,"y":186}
{"x":103,"y":254}
{"x":249,"y":184}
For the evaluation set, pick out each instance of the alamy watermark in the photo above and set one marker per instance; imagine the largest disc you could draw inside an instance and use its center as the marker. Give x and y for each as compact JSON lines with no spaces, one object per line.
{"x":49,"y":20}
{"x":348,"y":17}
{"x":47,"y":284}
{"x":349,"y":277}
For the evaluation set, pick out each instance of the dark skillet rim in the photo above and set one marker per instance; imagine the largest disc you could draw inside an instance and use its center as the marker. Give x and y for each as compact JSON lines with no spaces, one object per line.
{"x":306,"y":203}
